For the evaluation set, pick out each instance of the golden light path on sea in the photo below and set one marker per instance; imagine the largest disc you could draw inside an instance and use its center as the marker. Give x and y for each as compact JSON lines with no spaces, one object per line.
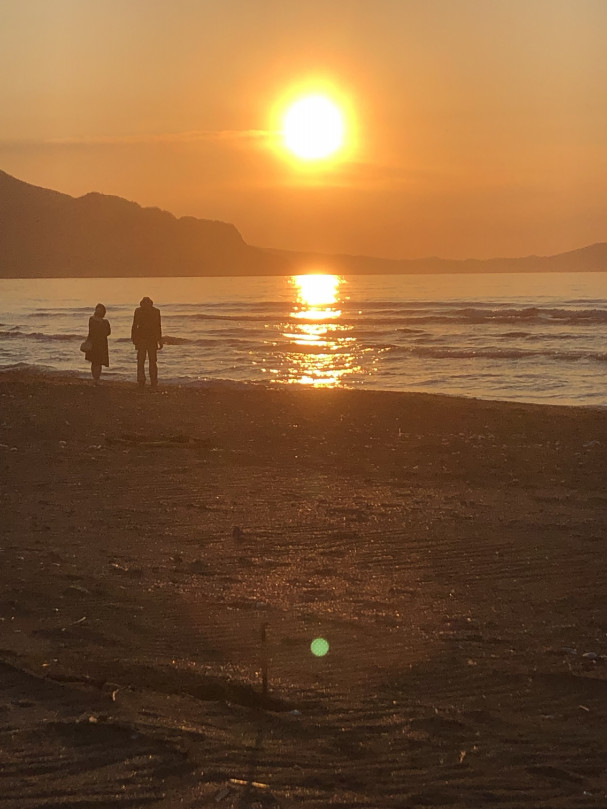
{"x":320,"y":353}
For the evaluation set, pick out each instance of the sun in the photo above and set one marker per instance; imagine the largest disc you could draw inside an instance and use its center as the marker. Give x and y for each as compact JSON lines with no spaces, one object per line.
{"x":313,"y":128}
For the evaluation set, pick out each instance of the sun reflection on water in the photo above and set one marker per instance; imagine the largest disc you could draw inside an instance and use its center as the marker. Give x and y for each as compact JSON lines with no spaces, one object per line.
{"x":314,"y":292}
{"x":319,"y":346}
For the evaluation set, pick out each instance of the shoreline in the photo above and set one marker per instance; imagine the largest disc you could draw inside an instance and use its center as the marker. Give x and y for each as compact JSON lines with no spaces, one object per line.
{"x":450,"y":550}
{"x":69,"y":377}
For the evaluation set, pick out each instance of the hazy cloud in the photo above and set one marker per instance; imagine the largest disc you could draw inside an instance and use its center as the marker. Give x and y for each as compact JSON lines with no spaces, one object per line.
{"x":194,"y":136}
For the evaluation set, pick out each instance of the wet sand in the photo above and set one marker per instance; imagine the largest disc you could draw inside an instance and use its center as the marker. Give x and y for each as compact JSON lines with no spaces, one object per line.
{"x":451,"y":552}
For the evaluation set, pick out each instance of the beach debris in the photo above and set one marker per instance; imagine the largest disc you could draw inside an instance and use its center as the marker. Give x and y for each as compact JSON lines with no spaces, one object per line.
{"x":256,"y":784}
{"x":131,"y":572}
{"x":594,"y":657}
{"x":174,"y":440}
{"x":256,"y":793}
{"x":76,"y":590}
{"x":87,"y":718}
{"x":590,"y":444}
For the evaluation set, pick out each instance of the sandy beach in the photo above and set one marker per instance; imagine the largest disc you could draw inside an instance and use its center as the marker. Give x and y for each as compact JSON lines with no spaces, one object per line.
{"x":451,"y":552}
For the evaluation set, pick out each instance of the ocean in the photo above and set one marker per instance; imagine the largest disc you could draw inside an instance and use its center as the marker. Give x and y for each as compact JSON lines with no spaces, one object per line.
{"x":518,"y":337}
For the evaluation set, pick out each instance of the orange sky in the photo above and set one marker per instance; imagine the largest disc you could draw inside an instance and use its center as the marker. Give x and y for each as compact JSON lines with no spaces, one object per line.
{"x":477,"y":127}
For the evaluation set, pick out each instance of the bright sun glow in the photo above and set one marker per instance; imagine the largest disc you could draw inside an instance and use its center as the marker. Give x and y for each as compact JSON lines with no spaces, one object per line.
{"x":315,"y":290}
{"x":313,"y":128}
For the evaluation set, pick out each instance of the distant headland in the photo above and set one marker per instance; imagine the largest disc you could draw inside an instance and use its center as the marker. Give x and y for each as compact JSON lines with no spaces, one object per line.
{"x":47,"y":234}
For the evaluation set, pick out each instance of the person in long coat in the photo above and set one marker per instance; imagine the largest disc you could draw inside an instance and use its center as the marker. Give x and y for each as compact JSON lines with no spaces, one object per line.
{"x":146,"y":334}
{"x":98,"y":354}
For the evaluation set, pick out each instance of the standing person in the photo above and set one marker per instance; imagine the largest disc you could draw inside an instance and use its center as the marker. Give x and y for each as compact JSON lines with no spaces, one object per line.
{"x":146,"y":334}
{"x":98,"y":353}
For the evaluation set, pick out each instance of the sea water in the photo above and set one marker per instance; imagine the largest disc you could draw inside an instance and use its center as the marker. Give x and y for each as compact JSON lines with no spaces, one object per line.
{"x":522,"y":337}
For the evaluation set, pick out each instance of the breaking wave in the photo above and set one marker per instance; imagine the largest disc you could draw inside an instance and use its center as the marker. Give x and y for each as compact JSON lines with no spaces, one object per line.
{"x":13,"y":334}
{"x":435,"y":352}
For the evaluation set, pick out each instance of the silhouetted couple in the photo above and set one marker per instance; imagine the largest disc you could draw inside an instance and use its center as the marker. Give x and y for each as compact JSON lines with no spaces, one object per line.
{"x":146,"y":334}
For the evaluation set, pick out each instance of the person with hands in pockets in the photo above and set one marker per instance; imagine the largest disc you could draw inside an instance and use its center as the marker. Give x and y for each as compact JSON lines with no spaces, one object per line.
{"x":146,"y":334}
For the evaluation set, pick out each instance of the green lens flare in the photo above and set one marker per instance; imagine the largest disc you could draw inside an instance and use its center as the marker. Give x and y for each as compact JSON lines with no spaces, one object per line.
{"x":319,"y":647}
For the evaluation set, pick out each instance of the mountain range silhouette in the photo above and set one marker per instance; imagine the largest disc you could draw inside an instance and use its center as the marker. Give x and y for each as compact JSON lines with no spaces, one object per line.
{"x":47,"y":234}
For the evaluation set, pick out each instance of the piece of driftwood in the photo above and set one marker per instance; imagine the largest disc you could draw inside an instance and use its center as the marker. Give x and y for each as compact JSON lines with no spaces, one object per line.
{"x":179,"y":440}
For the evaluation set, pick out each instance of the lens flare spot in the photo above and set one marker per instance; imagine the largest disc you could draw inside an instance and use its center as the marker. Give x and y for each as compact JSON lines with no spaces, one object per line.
{"x":319,"y":647}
